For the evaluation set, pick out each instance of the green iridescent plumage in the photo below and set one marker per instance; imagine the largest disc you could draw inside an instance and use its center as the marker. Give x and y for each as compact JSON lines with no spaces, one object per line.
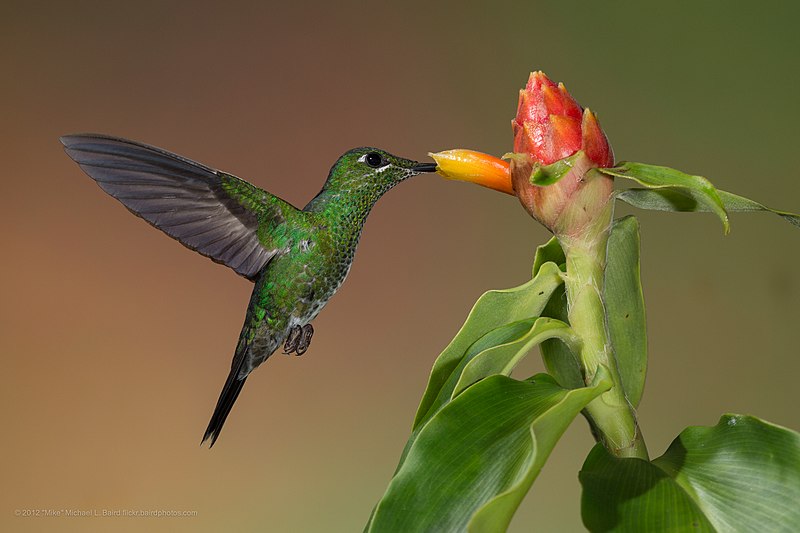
{"x":296,"y":258}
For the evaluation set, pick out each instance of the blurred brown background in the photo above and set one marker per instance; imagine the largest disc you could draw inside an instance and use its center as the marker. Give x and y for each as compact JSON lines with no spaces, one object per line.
{"x":115,"y":340}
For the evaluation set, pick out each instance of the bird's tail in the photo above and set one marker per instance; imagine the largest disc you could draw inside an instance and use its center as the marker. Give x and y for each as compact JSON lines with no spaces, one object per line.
{"x":233,"y":386}
{"x":244,"y":360}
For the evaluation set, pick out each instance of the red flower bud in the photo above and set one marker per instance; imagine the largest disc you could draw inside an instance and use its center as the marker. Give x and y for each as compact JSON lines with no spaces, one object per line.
{"x":550,"y":126}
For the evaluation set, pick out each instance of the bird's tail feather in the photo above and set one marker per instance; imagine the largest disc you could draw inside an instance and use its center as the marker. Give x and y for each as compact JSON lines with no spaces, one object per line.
{"x":233,"y":386}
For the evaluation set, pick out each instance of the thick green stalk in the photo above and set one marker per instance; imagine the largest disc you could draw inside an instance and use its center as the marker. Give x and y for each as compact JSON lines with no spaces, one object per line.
{"x":611,"y":415}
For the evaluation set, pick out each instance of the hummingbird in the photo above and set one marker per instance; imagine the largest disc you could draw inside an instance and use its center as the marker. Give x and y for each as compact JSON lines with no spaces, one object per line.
{"x":296,"y":258}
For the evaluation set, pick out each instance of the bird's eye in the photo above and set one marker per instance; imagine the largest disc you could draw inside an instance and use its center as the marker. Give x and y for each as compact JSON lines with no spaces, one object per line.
{"x":374,"y":160}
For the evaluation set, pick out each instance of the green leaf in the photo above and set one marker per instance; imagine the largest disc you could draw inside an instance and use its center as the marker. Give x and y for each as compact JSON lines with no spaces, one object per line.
{"x":549,"y":252}
{"x":543,"y":175}
{"x":633,"y":495}
{"x":558,"y":359}
{"x":502,"y":358}
{"x":686,"y":201}
{"x":476,"y":458}
{"x":624,"y":304}
{"x":506,"y":338}
{"x":741,"y":475}
{"x":498,"y":318}
{"x":656,"y":177}
{"x":492,"y":310}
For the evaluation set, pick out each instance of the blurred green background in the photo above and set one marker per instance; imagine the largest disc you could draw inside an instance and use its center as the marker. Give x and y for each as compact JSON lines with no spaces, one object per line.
{"x":115,"y":340}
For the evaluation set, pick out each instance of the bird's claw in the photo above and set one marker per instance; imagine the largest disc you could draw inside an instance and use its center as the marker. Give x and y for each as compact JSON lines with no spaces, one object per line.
{"x":299,"y":340}
{"x":305,"y":339}
{"x":291,"y":340}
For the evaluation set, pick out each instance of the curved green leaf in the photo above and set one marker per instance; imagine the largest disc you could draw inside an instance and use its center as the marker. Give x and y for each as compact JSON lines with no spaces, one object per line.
{"x":550,"y":252}
{"x":502,"y":358}
{"x":656,"y":177}
{"x":687,"y":201}
{"x":506,"y":338}
{"x":624,"y":303}
{"x":492,"y":310}
{"x":633,"y":495}
{"x":741,"y":475}
{"x":475,"y":459}
{"x":558,"y":359}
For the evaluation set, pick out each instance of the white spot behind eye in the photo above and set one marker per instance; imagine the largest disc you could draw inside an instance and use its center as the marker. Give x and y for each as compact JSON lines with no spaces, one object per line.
{"x":363,"y":159}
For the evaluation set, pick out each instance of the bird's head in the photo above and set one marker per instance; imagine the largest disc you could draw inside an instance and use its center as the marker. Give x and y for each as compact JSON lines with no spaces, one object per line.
{"x":372,"y":168}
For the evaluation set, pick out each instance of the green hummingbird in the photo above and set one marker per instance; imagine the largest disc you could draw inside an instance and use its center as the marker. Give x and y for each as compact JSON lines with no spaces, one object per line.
{"x":297,"y":258}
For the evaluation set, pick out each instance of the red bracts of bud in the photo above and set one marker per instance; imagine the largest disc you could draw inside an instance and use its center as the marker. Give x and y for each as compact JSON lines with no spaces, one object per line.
{"x":551,"y":126}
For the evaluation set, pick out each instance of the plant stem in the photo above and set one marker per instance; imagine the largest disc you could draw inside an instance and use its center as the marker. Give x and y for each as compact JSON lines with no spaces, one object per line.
{"x":611,"y":416}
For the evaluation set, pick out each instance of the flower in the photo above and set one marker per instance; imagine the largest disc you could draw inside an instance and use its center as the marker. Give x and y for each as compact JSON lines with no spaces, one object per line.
{"x":476,"y":167}
{"x":557,"y":143}
{"x":550,"y":127}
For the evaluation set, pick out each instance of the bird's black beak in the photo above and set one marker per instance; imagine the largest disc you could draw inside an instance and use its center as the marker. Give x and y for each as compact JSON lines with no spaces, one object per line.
{"x":424,"y":167}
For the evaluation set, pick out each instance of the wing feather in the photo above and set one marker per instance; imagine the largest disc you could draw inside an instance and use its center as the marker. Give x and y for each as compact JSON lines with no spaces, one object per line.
{"x":214,"y":213}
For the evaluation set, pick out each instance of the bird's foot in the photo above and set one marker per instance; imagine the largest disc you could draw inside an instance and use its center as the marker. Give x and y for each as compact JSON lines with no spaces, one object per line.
{"x":292,"y":339}
{"x":305,"y":339}
{"x":298,"y":340}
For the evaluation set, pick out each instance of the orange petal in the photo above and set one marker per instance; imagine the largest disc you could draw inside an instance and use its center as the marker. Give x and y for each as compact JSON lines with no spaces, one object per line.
{"x":476,"y":167}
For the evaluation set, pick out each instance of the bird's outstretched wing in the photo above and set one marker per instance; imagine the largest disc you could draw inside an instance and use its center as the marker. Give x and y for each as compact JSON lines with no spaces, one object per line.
{"x":216,"y":214}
